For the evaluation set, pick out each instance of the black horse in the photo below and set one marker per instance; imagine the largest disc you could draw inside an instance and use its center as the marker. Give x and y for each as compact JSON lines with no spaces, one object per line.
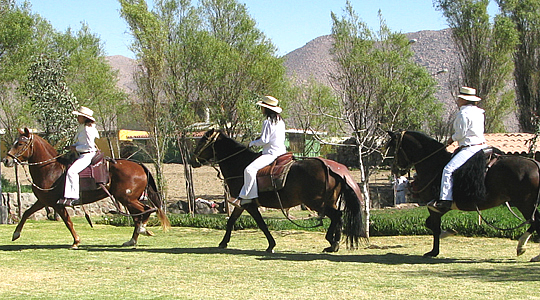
{"x":317,"y":183}
{"x":512,"y":179}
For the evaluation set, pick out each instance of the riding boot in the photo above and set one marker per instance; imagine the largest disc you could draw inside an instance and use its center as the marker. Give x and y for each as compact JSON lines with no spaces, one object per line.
{"x":440,"y":206}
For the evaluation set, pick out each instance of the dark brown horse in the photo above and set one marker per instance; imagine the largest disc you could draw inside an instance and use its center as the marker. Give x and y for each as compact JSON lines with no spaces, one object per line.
{"x":128,"y":181}
{"x":317,"y":183}
{"x":512,"y":179}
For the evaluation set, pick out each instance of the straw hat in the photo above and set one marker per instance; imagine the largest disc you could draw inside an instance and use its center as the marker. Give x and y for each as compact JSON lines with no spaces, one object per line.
{"x":468,"y":94}
{"x":85,"y":112}
{"x":270,"y":103}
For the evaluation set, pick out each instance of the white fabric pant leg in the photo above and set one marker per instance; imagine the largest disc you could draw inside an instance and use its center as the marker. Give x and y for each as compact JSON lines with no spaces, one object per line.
{"x":457,"y":161}
{"x":72,"y":176}
{"x":249,"y":190}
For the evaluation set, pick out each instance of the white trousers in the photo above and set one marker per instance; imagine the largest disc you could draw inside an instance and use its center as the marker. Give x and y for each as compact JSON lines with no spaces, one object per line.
{"x":72,"y":176}
{"x":457,"y":161}
{"x":249,"y":190}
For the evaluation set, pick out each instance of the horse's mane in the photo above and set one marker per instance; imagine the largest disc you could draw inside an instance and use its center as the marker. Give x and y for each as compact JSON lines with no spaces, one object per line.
{"x":232,"y":143}
{"x":425,"y":140}
{"x":46,"y":145}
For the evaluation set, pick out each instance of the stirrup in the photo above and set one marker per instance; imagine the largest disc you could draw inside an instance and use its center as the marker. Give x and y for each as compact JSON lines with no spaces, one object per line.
{"x":236,"y":202}
{"x":68,"y":202}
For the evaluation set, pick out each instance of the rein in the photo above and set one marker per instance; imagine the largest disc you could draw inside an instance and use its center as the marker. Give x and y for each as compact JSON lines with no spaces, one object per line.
{"x":29,"y":145}
{"x":411,"y":164}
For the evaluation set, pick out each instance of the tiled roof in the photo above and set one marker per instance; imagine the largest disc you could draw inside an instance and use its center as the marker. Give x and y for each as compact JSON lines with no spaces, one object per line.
{"x":507,"y":142}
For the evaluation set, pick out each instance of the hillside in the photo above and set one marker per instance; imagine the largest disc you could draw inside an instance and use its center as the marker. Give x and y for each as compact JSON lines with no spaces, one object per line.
{"x":433,"y":50}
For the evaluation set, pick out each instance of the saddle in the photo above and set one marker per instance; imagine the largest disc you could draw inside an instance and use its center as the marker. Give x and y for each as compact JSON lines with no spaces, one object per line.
{"x":273,"y":176}
{"x":95,"y":174}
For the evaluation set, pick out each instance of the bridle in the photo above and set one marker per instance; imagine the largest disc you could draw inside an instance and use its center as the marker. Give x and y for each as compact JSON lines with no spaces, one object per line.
{"x":28,"y":145}
{"x":411,"y":163}
{"x":210,"y":142}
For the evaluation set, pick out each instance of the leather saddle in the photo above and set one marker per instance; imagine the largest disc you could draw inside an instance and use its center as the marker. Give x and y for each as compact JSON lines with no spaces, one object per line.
{"x":273,"y":176}
{"x":95,"y":174}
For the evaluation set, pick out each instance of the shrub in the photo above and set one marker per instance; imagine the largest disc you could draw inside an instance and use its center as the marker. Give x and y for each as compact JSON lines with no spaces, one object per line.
{"x":385,"y":222}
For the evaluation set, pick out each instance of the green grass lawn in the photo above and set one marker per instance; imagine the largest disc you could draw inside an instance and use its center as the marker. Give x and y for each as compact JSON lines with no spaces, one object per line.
{"x":185,"y":263}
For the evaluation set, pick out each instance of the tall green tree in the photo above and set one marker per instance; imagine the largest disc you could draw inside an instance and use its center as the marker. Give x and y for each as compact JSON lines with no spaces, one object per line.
{"x":241,"y":66}
{"x":92,"y":79}
{"x":52,"y":100}
{"x":485,"y":55}
{"x":380,"y":86}
{"x":16,"y":35}
{"x":525,"y":16}
{"x":149,"y":45}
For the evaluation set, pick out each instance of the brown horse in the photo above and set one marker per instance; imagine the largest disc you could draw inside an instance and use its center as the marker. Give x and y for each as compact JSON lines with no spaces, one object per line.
{"x":128,"y":181}
{"x":512,"y":179}
{"x":317,"y":183}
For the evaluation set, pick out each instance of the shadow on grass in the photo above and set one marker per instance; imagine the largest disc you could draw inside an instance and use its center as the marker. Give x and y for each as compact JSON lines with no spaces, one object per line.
{"x":385,"y":258}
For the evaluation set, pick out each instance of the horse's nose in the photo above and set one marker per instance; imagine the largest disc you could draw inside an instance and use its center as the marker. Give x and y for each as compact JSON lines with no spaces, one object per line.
{"x":7,"y":161}
{"x":194,"y":162}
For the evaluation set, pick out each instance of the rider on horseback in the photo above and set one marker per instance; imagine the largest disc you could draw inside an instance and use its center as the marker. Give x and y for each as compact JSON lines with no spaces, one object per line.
{"x":469,"y":133}
{"x":85,"y":146}
{"x":272,"y":140}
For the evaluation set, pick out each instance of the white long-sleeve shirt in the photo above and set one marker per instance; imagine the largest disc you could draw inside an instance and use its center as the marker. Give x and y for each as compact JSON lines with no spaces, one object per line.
{"x":469,"y":126}
{"x":85,"y":138}
{"x":272,"y":138}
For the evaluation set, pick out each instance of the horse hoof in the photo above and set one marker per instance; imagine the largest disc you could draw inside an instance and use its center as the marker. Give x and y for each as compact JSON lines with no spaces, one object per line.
{"x":520,"y":251}
{"x":535,"y":259}
{"x":129,"y":243}
{"x":222,"y":246}
{"x":149,"y":233}
{"x":329,"y":249}
{"x":74,"y":247}
{"x":15,"y":236}
{"x":431,"y":254}
{"x":269,"y":250}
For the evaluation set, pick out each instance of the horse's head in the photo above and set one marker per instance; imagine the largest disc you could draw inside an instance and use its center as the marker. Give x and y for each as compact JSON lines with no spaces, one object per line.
{"x":205,"y":152}
{"x":394,"y":147}
{"x":21,"y":150}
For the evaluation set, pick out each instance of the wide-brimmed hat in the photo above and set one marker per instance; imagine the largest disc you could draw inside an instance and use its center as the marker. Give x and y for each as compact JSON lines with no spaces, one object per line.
{"x":85,"y":112}
{"x":270,"y":103}
{"x":468,"y":94}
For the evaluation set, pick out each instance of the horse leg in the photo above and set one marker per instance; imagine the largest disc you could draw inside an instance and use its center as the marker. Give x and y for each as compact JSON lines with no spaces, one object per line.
{"x":333,"y":235}
{"x":35,"y":207}
{"x":230,"y":224}
{"x":433,"y":222}
{"x":535,"y":226}
{"x":253,"y":210}
{"x":523,"y":241}
{"x":62,"y":211}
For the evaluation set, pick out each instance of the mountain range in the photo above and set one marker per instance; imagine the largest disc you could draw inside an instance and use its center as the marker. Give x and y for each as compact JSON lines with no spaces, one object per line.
{"x":433,"y":49}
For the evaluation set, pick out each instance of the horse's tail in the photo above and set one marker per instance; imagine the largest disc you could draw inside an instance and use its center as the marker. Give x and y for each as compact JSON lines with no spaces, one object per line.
{"x":155,"y":197}
{"x":353,"y":226}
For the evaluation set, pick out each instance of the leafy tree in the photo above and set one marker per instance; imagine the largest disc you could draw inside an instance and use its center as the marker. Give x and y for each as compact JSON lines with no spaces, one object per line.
{"x":51,"y":99}
{"x":525,"y":16}
{"x":379,"y":85}
{"x":91,"y":78}
{"x":16,"y":34}
{"x":149,"y":45}
{"x":313,"y":110}
{"x":485,"y":55}
{"x":241,"y":66}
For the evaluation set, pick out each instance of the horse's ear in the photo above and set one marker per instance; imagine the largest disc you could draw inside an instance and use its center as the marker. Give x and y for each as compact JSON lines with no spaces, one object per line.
{"x":391,"y":133}
{"x":21,"y":131}
{"x":26,"y":132}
